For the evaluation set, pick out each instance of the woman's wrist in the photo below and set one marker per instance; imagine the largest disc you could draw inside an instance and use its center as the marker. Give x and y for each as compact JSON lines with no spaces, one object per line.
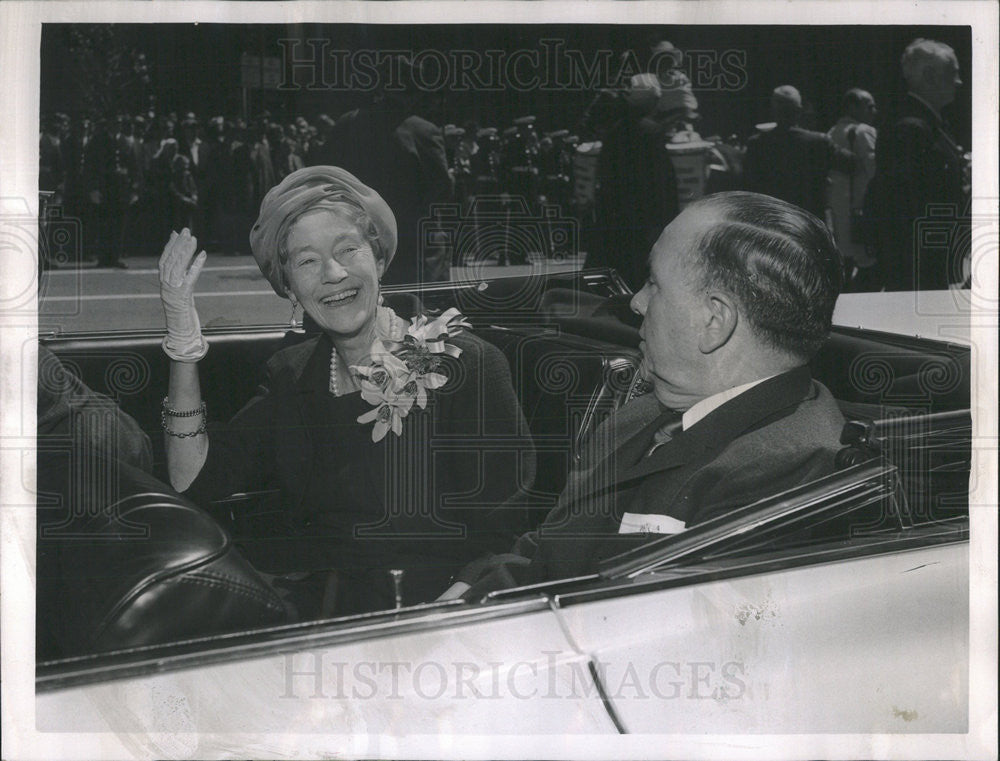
{"x":187,"y":350}
{"x":180,"y":423}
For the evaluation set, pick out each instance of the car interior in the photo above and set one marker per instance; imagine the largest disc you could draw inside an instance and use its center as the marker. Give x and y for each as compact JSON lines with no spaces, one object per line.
{"x":132,"y":564}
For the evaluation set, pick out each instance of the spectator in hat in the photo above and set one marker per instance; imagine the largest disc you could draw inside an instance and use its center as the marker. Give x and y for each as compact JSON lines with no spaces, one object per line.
{"x":388,"y":146}
{"x":792,"y":163}
{"x":195,"y":150}
{"x":318,"y":143}
{"x":243,"y":173}
{"x":677,"y":107}
{"x":183,"y":193}
{"x":853,"y":132}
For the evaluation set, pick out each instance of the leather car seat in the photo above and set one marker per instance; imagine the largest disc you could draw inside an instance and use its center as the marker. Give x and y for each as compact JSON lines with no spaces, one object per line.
{"x":123,"y":561}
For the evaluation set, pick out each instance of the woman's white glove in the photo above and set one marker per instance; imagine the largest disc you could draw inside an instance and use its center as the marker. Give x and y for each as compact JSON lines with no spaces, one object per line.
{"x":178,"y":274}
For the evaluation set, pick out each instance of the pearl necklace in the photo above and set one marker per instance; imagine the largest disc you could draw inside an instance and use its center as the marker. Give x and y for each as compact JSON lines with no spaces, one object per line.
{"x":395,"y":334}
{"x":333,"y":372}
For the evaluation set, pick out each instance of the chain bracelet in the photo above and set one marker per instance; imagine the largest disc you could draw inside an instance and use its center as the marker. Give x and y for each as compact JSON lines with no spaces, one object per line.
{"x":165,"y":410}
{"x":202,"y":410}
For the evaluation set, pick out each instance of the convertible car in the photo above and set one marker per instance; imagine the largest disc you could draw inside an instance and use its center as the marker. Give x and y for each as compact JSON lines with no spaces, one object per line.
{"x":841,"y":606}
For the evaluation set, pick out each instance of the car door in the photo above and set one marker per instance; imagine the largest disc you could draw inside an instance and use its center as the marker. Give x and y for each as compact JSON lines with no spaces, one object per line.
{"x":861,"y":645}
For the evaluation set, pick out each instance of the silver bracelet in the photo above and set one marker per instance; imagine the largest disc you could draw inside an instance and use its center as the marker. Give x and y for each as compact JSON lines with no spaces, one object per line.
{"x":165,"y":410}
{"x":202,"y":410}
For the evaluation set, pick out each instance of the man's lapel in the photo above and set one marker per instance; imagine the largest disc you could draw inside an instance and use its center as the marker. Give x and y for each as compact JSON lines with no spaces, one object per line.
{"x":762,"y":404}
{"x":631,"y":434}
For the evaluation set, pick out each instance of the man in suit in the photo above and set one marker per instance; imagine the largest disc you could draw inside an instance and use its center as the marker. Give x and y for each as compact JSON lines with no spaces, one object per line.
{"x":106,"y":184}
{"x":921,"y":172}
{"x":740,"y":297}
{"x":196,"y":151}
{"x":792,"y":163}
{"x":854,"y":132}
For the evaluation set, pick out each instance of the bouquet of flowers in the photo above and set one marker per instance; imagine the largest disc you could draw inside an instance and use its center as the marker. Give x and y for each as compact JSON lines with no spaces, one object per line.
{"x":403,"y":371}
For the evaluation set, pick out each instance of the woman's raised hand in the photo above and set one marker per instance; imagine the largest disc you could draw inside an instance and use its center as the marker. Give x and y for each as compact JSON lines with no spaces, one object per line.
{"x":179,"y":270}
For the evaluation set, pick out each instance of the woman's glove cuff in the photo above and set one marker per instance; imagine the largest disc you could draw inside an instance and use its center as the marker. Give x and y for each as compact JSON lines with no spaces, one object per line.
{"x":188,"y":351}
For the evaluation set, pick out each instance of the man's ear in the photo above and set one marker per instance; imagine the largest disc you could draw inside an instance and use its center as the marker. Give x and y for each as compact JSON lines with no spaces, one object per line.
{"x":721,"y":315}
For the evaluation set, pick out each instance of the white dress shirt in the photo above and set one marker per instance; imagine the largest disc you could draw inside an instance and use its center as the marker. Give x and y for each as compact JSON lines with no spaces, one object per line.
{"x":710,"y":403}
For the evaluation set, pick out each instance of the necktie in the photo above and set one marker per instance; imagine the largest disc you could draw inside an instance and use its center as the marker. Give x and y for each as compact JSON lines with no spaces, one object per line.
{"x":671,"y":423}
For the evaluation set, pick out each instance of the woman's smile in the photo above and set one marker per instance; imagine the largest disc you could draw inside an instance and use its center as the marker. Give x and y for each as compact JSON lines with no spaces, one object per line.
{"x":340,"y":298}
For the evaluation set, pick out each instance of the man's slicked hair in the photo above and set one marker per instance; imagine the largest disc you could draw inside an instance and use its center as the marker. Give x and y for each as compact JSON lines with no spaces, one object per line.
{"x":778,"y":261}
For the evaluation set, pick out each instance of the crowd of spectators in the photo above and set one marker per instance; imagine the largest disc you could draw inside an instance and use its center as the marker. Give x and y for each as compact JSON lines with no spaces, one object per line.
{"x":897,"y":203}
{"x":133,"y":178}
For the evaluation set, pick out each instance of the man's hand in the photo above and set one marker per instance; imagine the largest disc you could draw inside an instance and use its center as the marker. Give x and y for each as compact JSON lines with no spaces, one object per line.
{"x":455,"y":591}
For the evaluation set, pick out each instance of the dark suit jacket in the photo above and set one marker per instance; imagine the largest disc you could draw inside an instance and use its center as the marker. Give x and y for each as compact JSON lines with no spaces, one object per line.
{"x":779,"y":434}
{"x":918,"y":164}
{"x":792,"y":164}
{"x":636,"y":199}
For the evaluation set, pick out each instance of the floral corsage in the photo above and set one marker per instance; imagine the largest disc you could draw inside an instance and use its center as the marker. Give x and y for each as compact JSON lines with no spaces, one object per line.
{"x":403,"y":371}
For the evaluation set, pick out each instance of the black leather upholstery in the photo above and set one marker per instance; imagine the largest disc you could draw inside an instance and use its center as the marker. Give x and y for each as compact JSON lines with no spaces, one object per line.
{"x":565,"y":385}
{"x":123,"y":561}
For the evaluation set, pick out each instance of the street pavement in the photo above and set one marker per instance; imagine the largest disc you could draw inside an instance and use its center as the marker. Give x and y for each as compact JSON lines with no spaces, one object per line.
{"x":230,"y":292}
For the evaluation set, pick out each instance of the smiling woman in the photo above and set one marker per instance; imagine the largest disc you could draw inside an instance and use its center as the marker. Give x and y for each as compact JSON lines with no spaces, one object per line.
{"x":334,"y":274}
{"x":374,"y":512}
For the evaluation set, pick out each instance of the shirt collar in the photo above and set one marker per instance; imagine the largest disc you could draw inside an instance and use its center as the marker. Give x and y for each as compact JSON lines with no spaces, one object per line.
{"x":699,"y":410}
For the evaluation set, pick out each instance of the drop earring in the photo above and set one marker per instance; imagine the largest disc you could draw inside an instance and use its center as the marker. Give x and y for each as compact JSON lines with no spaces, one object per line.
{"x":292,"y":322}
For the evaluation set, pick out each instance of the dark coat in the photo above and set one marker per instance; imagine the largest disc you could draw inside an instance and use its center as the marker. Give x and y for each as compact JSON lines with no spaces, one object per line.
{"x":404,"y":160}
{"x":792,"y":164}
{"x":778,"y":434}
{"x":471,"y":446}
{"x":637,"y":198}
{"x":919,"y":166}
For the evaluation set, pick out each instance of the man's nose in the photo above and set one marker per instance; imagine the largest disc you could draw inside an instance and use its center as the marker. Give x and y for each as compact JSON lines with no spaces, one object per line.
{"x":638,"y":302}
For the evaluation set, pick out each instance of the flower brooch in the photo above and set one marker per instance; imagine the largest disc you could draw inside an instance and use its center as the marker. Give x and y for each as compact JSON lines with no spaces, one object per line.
{"x":402,"y":372}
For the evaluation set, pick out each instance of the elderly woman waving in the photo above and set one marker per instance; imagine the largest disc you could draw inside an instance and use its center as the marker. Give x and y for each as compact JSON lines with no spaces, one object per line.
{"x":380,"y":434}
